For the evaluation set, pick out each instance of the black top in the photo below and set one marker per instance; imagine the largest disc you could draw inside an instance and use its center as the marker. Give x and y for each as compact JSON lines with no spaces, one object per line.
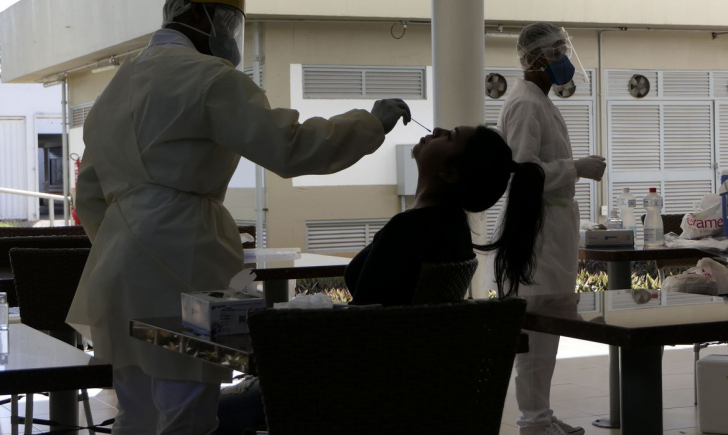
{"x":387,"y":271}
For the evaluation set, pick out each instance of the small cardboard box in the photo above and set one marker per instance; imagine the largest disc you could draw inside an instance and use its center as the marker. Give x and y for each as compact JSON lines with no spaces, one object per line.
{"x":221,"y":312}
{"x":606,"y":238}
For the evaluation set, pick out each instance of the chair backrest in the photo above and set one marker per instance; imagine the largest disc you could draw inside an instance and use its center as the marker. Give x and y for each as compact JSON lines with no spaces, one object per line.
{"x":248,"y":229}
{"x":46,"y":281}
{"x":45,"y":242}
{"x":444,"y":282}
{"x":42,"y":231}
{"x":415,"y":369}
{"x":670,"y":222}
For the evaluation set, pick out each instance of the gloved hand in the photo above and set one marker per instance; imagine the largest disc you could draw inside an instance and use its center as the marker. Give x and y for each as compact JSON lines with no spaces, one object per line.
{"x":591,"y":167}
{"x":389,"y":111}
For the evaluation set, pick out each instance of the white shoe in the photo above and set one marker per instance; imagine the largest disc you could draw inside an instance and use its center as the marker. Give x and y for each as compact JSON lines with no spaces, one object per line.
{"x":571,"y":430}
{"x":550,"y":429}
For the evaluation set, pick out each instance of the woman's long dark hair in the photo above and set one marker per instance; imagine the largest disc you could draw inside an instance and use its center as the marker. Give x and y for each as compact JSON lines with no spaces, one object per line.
{"x":485,"y":168}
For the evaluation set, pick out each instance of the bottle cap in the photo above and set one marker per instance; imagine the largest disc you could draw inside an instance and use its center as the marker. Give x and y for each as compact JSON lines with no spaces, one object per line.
{"x":615,"y":212}
{"x":653,"y":190}
{"x":3,"y":298}
{"x":625,"y":190}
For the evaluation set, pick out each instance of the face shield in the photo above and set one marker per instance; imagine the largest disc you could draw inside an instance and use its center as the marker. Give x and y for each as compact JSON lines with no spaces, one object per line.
{"x":553,"y":53}
{"x":226,"y":36}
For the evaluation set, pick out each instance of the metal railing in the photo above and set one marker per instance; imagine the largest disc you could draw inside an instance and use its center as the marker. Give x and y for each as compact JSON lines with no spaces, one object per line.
{"x":50,"y":197}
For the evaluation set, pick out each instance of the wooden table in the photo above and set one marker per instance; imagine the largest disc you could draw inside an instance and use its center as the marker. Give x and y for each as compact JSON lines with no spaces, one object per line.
{"x":277,"y":270}
{"x":639,"y":330}
{"x":619,"y":271}
{"x":37,"y":362}
{"x":229,"y":351}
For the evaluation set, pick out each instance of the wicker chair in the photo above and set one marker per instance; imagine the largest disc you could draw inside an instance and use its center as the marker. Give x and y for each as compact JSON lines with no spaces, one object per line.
{"x":416,"y":369}
{"x":42,"y":231}
{"x":44,"y":242}
{"x":444,"y":282}
{"x":46,"y":282}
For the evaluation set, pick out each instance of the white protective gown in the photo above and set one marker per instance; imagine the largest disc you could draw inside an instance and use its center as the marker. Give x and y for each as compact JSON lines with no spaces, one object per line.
{"x":162,"y":142}
{"x":536,"y":132}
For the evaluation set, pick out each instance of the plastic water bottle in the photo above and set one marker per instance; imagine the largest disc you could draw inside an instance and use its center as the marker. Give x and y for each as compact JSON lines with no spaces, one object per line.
{"x":654,"y":231}
{"x":627,"y":203}
{"x":4,"y":314}
{"x":613,"y":222}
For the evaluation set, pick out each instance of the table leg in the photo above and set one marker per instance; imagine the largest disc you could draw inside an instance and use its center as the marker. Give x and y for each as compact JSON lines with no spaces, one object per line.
{"x":64,"y":404}
{"x":620,"y":275}
{"x":620,"y":278}
{"x":274,"y":291}
{"x":641,"y":382}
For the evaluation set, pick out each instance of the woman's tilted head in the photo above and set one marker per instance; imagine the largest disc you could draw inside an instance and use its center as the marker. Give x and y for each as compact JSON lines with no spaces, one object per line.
{"x":470,"y":167}
{"x":471,"y":164}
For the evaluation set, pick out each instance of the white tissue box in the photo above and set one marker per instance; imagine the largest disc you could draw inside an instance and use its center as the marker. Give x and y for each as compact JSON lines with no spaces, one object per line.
{"x":606,"y":238}
{"x":712,"y":374}
{"x":221,"y":312}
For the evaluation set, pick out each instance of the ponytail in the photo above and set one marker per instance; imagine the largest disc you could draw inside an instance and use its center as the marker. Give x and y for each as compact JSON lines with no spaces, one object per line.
{"x":515,"y":260}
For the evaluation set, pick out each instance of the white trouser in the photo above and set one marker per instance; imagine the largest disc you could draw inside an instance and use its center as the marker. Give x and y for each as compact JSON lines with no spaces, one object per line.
{"x":534,"y":371}
{"x":149,"y":406}
{"x":535,"y":368}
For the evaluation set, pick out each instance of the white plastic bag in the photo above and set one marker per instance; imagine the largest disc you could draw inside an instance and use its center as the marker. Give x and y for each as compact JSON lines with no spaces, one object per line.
{"x":706,"y":222}
{"x":690,"y":283}
{"x":708,"y":277}
{"x":306,"y":302}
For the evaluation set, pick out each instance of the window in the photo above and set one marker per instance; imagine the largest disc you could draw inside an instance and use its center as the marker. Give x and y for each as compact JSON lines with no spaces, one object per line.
{"x":341,"y":236}
{"x":79,"y":114}
{"x":674,"y":139}
{"x":359,"y":82}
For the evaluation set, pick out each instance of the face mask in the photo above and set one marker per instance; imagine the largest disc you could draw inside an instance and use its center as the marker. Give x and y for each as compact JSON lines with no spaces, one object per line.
{"x":223,"y":46}
{"x":561,"y":72}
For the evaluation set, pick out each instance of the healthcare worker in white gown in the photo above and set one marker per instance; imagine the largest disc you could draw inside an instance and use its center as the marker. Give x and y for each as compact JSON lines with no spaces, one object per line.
{"x":162,"y":142}
{"x":536,"y":132}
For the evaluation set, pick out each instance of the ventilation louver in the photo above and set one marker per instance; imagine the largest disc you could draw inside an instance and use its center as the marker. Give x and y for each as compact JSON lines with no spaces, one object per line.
{"x":639,"y":86}
{"x":566,"y":90}
{"x":495,"y":86}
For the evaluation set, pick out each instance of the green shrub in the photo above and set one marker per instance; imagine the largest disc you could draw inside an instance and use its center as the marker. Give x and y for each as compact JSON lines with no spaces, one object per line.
{"x":592,"y":276}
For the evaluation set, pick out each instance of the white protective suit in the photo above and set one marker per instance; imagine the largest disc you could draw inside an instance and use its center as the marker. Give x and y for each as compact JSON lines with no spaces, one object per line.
{"x":162,"y":142}
{"x":536,"y":132}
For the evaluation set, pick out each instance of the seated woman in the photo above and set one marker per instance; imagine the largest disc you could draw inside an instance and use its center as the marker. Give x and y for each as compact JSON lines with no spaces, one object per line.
{"x":466,"y":169}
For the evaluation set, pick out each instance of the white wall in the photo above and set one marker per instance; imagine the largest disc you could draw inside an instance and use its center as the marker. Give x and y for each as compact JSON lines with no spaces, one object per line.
{"x":39,"y":36}
{"x":44,"y":37}
{"x":379,"y":168}
{"x":624,"y":12}
{"x":39,"y":108}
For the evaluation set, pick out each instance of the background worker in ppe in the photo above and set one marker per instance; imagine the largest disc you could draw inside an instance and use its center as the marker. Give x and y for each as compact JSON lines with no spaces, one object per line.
{"x":162,"y":142}
{"x":536,"y":132}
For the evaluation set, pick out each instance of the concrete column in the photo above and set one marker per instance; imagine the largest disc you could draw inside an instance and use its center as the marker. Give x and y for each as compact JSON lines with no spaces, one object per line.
{"x":458,"y":61}
{"x":458,"y":64}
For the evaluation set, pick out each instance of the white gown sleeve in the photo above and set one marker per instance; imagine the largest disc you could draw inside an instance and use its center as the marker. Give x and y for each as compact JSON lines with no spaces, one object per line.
{"x":523,"y":130}
{"x":239,"y":117}
{"x":90,"y":202}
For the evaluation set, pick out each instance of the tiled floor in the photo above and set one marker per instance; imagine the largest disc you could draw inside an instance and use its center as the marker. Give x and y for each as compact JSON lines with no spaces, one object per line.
{"x":580,"y":388}
{"x":579,"y":394}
